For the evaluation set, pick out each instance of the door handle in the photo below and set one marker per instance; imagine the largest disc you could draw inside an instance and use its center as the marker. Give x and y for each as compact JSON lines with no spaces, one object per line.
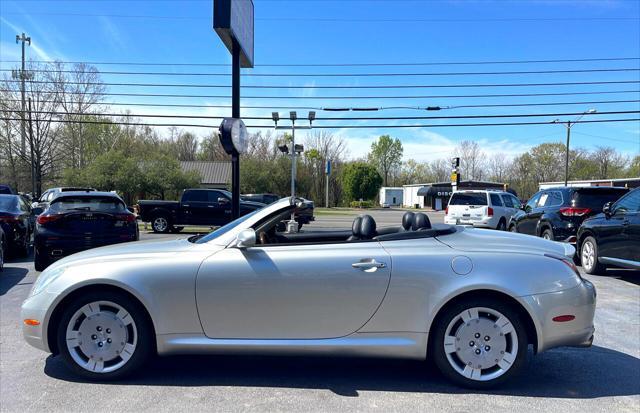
{"x":186,"y":206}
{"x":209,"y":206}
{"x":368,"y":264}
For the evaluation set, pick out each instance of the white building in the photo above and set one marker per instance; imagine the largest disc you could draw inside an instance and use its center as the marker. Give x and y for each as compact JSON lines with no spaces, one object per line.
{"x":391,"y":196}
{"x":410,"y":197}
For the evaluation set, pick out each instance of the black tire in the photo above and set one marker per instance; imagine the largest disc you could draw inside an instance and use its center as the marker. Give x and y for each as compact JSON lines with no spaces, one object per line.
{"x":502,"y":225}
{"x":161,"y":224}
{"x":513,"y":228}
{"x":40,"y":262}
{"x":547,"y":234}
{"x":590,"y":266}
{"x":144,"y":348}
{"x":437,"y":347}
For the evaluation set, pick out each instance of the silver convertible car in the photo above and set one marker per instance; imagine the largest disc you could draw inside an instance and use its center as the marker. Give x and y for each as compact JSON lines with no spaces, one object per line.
{"x":472,"y":300}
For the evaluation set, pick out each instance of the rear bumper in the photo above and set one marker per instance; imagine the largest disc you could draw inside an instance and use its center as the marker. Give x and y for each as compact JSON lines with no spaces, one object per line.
{"x":488,"y":222}
{"x":57,"y":249}
{"x":579,"y":301}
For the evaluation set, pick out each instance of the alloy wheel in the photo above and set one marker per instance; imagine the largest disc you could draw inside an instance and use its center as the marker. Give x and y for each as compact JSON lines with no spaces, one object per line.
{"x":588,"y":256}
{"x":160,"y":224}
{"x":101,"y":336}
{"x":481,"y":344}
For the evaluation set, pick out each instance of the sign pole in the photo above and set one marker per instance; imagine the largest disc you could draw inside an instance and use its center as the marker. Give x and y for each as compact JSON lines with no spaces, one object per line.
{"x":235,"y":113}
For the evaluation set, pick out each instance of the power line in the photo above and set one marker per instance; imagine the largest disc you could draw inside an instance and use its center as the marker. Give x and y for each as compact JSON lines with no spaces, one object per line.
{"x":391,"y":74}
{"x":343,"y":19}
{"x":196,"y":85}
{"x":526,"y":115}
{"x":356,"y":97}
{"x":608,"y":137}
{"x":369,"y":64}
{"x":177,"y":105}
{"x":332,"y":127}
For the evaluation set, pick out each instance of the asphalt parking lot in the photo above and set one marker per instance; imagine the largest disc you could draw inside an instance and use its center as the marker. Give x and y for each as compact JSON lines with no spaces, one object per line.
{"x":605,"y":377}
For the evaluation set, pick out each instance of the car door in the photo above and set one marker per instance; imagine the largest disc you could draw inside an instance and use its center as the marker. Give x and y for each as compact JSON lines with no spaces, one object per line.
{"x":499,"y":209}
{"x":219,"y":208}
{"x":194,"y":207}
{"x":619,"y":236}
{"x":311,"y":291}
{"x":529,"y":219}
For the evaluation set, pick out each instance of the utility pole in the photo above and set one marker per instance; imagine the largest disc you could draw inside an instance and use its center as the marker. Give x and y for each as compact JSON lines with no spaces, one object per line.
{"x":34,"y":193}
{"x":22,"y":76}
{"x":569,"y":124}
{"x":327,"y":173}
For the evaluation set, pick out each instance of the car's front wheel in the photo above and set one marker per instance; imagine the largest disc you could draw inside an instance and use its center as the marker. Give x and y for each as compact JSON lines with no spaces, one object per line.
{"x":589,"y":256}
{"x":161,"y":224}
{"x":104,"y":336}
{"x":479,"y":343}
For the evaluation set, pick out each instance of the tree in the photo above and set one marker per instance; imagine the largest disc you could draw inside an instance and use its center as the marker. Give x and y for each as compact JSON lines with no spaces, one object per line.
{"x":414,"y":172}
{"x":360,"y":181}
{"x":608,"y":163}
{"x":386,"y":156}
{"x":471,"y":160}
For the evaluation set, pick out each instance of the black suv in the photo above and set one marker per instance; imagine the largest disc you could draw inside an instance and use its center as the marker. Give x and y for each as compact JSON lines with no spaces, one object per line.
{"x":556,"y":213}
{"x":613,"y":237}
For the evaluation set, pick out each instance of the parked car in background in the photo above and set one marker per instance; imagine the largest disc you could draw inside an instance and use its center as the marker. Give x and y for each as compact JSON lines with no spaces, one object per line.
{"x":6,"y":190}
{"x":78,"y":221}
{"x":556,"y":213}
{"x":209,"y":207}
{"x":262,"y":198}
{"x":49,"y":194}
{"x":481,"y":208}
{"x":17,"y":224}
{"x":612,"y":238}
{"x":3,"y":248}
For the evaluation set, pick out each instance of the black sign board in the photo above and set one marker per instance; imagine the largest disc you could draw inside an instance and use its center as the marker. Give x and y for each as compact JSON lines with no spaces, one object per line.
{"x":233,"y":20}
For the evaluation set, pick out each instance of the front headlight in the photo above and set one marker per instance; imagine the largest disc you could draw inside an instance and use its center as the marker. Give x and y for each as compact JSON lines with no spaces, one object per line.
{"x":45,"y":279}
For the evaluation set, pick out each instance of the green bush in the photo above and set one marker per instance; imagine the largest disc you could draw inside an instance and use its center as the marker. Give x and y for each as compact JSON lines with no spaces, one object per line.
{"x":361,"y":204}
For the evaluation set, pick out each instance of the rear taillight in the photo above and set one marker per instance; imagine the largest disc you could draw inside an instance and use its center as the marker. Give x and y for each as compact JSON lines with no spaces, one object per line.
{"x":126,"y":217}
{"x":45,"y":219}
{"x":574,"y":212}
{"x":489,"y":211}
{"x":9,"y":219}
{"x":446,"y":210}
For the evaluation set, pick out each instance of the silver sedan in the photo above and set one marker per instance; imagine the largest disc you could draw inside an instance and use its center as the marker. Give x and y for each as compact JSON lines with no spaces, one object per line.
{"x":472,"y":300}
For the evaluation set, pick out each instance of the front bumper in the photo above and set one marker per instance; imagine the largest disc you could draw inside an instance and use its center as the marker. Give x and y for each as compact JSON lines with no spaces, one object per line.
{"x":36,"y":308}
{"x":579,"y":301}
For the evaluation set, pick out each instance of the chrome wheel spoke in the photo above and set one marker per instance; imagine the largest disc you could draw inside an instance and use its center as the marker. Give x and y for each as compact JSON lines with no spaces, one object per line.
{"x":95,"y":366}
{"x":124,"y":317}
{"x":470,"y":314}
{"x":504,"y":325}
{"x":72,"y":338}
{"x":471,"y":373}
{"x":90,"y":309}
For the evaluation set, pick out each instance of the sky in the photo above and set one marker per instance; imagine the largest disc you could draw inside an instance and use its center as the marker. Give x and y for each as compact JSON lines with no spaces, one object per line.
{"x":175,"y":33}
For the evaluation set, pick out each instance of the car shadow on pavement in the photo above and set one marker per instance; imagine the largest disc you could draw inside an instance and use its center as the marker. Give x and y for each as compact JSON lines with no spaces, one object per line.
{"x":559,"y":373}
{"x":10,"y":276}
{"x":631,"y":276}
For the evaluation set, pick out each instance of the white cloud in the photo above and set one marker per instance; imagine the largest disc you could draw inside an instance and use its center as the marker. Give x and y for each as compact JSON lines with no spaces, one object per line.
{"x":116,"y":39}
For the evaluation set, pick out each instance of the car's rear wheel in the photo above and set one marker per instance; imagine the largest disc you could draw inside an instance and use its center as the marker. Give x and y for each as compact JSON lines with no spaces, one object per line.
{"x":104,"y":335}
{"x":547,"y":234}
{"x":502,"y":225}
{"x":589,"y":256}
{"x":479,"y":343}
{"x":513,"y":228}
{"x":161,"y":224}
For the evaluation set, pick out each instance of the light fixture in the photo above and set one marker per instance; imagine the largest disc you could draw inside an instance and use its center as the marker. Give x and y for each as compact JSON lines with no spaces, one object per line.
{"x":312,"y":116}
{"x":293,"y":115}
{"x":276,"y":117}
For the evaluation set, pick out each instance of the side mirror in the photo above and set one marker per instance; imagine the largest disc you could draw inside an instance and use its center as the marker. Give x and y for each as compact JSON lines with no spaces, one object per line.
{"x":607,"y":209}
{"x":37,"y":211}
{"x":246,"y":238}
{"x":223,"y":200}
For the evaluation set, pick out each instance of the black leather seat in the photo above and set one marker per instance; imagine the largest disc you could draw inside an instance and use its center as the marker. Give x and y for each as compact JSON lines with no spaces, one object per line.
{"x":407,"y":220}
{"x":363,"y":228}
{"x":420,"y":222}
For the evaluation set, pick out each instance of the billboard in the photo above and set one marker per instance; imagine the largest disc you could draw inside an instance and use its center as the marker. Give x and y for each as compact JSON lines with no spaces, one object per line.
{"x":233,"y":19}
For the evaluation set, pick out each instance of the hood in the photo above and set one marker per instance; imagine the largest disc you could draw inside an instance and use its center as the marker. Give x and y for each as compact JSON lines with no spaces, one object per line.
{"x":129,"y":250}
{"x":478,"y":240}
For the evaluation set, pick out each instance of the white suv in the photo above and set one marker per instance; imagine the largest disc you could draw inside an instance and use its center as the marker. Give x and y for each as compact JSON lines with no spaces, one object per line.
{"x":480,"y":208}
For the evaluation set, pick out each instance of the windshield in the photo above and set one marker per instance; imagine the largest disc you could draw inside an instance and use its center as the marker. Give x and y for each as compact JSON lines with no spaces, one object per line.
{"x":595,"y":199}
{"x":8,"y":203}
{"x":468,"y":199}
{"x":85,"y":203}
{"x":224,"y":229}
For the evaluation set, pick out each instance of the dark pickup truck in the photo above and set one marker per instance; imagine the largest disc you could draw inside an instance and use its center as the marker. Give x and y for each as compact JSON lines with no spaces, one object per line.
{"x":205,"y":207}
{"x":208,"y":207}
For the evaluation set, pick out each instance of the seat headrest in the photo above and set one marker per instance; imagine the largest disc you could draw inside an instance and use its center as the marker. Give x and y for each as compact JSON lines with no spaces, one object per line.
{"x":407,"y":220}
{"x":355,"y":228}
{"x":421,"y":221}
{"x":367,"y":227}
